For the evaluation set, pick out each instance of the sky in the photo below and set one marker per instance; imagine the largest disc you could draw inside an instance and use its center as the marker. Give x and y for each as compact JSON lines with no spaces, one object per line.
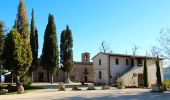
{"x":122,"y":23}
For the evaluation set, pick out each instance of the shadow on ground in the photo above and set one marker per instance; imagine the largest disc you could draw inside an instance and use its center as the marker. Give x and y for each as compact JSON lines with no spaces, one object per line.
{"x":140,"y":96}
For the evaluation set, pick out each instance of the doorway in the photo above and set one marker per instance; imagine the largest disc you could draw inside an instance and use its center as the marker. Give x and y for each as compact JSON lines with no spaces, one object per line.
{"x":40,"y":76}
{"x":140,"y":79}
{"x":85,"y":79}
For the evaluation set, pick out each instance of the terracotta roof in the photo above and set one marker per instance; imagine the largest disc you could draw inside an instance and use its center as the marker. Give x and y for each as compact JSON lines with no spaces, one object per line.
{"x":83,"y":63}
{"x":124,"y":55}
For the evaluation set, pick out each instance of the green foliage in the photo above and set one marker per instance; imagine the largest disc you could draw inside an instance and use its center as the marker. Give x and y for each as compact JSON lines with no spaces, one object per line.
{"x":66,"y":51}
{"x":34,"y":44}
{"x":26,"y":81}
{"x":120,"y":83}
{"x":23,"y":28}
{"x":12,"y":53}
{"x":145,"y":73}
{"x":50,"y":53}
{"x":166,"y":83}
{"x":158,"y":72}
{"x":2,"y":41}
{"x":22,"y":20}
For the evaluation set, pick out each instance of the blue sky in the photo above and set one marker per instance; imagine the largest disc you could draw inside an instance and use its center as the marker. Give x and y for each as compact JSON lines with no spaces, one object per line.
{"x":121,"y":23}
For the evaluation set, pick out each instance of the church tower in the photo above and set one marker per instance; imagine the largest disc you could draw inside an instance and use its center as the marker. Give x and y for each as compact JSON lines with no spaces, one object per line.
{"x":85,"y":57}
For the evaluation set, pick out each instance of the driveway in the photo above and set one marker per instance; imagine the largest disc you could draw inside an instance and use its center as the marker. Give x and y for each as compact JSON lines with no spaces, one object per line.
{"x":112,"y":94}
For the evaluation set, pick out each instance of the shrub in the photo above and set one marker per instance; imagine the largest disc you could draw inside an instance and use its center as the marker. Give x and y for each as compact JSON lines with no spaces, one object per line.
{"x":105,"y":87}
{"x":166,"y":83}
{"x":20,"y":89}
{"x":26,"y":81}
{"x":3,"y":91}
{"x":120,"y":83}
{"x":61,"y":87}
{"x":75,"y":88}
{"x":91,"y":87}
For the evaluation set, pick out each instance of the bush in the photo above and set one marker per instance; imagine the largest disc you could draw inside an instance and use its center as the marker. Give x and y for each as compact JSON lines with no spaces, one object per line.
{"x":105,"y":87}
{"x":75,"y":88}
{"x":91,"y":87}
{"x":26,"y":81}
{"x":20,"y":89}
{"x":3,"y":91}
{"x":166,"y":83}
{"x":61,"y":87}
{"x":120,"y":84}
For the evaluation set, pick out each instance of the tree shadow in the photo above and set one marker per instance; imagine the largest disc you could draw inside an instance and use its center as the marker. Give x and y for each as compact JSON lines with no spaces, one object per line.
{"x":140,"y":96}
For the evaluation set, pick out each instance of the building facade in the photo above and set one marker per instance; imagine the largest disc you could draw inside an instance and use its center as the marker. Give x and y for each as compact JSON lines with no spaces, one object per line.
{"x":109,"y":67}
{"x":81,"y":72}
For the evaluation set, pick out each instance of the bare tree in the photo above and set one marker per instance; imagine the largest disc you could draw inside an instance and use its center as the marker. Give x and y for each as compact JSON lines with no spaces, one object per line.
{"x":134,"y":49}
{"x":105,"y":47}
{"x":164,"y":40}
{"x":155,"y":51}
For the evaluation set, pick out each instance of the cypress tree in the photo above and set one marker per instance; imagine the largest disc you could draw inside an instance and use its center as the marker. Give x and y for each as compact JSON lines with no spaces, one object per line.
{"x":13,"y":54}
{"x":50,"y":54}
{"x":22,"y":21}
{"x":145,"y":73}
{"x":158,"y":72}
{"x":66,"y":52}
{"x":23,"y":28}
{"x":34,"y":46}
{"x":2,"y":40}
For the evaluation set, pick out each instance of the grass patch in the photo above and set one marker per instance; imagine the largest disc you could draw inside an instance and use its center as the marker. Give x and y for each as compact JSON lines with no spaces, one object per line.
{"x":27,"y":90}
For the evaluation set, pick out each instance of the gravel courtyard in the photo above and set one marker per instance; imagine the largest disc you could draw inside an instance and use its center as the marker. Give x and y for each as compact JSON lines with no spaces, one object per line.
{"x":112,"y":94}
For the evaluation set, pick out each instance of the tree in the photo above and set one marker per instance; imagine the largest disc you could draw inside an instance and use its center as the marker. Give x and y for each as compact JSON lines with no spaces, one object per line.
{"x":158,"y":72}
{"x":22,"y":21}
{"x":50,"y":54}
{"x":2,"y":40}
{"x":105,"y":47}
{"x":23,"y":28}
{"x":145,"y":73}
{"x":164,"y":40}
{"x":155,"y":51}
{"x":135,"y":49}
{"x":34,"y":46}
{"x":66,"y":52}
{"x":13,"y":55}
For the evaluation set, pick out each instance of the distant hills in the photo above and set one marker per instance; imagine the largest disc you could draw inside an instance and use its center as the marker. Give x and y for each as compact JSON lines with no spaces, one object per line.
{"x":167,"y":73}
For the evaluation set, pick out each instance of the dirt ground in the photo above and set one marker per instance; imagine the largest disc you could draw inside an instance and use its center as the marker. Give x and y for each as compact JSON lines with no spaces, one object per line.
{"x":51,"y":93}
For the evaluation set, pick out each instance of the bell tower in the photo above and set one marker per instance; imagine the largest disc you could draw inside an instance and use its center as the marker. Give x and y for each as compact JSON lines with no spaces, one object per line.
{"x":85,"y":57}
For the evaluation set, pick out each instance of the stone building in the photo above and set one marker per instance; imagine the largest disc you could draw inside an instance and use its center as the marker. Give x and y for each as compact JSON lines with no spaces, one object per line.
{"x":108,"y":67}
{"x":81,"y":72}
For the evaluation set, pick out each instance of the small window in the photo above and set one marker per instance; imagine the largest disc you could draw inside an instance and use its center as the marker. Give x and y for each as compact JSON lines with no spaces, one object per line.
{"x":100,"y":62}
{"x":132,"y":62}
{"x":85,"y":57}
{"x":139,"y":62}
{"x":127,"y":62}
{"x":117,"y":61}
{"x":100,"y":74}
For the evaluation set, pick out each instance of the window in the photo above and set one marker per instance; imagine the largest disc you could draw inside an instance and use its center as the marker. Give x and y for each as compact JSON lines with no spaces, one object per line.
{"x":100,"y":74}
{"x":100,"y":62}
{"x":85,"y":57}
{"x":85,"y":71}
{"x":117,"y":61}
{"x":139,"y":62}
{"x":132,"y":62}
{"x":127,"y":62}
